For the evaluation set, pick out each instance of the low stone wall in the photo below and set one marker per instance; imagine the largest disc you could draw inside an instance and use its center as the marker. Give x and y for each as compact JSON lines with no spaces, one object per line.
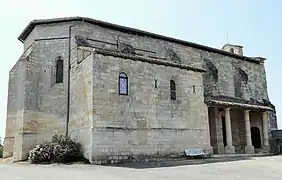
{"x":134,"y":158}
{"x":121,"y":159}
{"x":274,"y":146}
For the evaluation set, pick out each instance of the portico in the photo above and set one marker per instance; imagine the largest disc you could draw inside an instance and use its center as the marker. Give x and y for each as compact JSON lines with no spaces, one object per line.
{"x":238,"y":127}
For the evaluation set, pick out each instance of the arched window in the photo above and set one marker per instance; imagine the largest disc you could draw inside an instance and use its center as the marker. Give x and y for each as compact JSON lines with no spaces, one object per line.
{"x":172,"y":90}
{"x":59,"y":69}
{"x":231,"y":50}
{"x":123,"y":84}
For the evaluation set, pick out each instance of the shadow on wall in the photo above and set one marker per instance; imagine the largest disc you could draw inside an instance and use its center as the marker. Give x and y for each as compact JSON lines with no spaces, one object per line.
{"x":240,"y":81}
{"x":210,"y":78}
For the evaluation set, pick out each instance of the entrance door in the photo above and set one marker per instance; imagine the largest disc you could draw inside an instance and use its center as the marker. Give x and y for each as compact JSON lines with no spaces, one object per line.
{"x":223,"y":131}
{"x":256,"y":141}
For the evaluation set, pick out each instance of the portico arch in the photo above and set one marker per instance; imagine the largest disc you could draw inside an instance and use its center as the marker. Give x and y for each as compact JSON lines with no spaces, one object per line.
{"x":256,"y":139}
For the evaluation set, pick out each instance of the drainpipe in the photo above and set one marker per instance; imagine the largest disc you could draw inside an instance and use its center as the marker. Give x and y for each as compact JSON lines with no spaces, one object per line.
{"x":68,"y":90}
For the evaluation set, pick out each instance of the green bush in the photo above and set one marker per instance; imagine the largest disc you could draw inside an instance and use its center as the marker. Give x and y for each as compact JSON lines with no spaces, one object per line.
{"x":61,"y":149}
{"x":1,"y":151}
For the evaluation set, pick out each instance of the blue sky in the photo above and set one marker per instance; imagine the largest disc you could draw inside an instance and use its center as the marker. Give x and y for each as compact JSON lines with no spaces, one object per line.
{"x":257,"y":25}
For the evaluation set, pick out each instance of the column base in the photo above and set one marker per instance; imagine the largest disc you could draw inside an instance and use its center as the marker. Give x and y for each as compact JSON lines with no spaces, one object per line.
{"x":249,"y":149}
{"x":209,"y":150}
{"x":220,"y":148}
{"x":229,"y":150}
{"x":266,"y":149}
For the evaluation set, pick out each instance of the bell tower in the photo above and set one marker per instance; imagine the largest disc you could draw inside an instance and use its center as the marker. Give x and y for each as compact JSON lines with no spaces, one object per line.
{"x":236,"y":49}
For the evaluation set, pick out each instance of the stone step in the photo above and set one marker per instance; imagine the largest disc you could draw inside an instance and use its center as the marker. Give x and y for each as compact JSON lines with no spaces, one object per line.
{"x":240,"y":155}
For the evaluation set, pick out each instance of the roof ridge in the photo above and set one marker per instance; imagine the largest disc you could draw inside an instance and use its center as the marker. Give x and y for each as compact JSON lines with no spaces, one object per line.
{"x":134,"y":31}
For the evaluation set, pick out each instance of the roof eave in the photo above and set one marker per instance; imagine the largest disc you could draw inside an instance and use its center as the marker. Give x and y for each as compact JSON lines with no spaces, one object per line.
{"x":22,"y":36}
{"x":125,"y":29}
{"x":33,"y":23}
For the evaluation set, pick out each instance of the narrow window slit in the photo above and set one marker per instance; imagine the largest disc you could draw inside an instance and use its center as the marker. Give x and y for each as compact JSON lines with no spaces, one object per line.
{"x":172,"y":90}
{"x":59,"y":69}
{"x":156,"y":83}
{"x":194,"y":89}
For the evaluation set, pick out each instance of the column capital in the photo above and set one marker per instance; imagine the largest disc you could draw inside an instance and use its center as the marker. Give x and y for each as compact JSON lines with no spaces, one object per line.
{"x":227,"y":108}
{"x":264,"y":112}
{"x":247,"y":115}
{"x":247,"y":110}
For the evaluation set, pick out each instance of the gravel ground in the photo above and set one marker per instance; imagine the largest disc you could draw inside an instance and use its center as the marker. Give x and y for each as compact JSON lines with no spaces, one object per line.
{"x":266,"y":168}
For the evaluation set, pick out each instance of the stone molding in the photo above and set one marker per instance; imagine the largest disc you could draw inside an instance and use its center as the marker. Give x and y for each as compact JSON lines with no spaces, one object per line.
{"x":241,"y":105}
{"x":141,"y":58}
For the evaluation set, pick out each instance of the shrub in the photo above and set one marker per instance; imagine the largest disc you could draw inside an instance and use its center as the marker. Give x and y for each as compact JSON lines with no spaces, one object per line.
{"x":66,"y":149}
{"x":42,"y":153}
{"x":61,"y":149}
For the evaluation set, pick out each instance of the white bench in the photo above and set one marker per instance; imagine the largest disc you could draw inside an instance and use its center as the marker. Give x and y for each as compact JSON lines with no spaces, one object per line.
{"x":194,"y":152}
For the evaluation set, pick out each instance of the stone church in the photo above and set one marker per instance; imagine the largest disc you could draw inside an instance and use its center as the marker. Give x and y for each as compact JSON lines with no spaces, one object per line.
{"x":129,"y":94}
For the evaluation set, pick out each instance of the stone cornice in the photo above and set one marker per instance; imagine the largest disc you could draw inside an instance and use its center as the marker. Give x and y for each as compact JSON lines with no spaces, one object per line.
{"x":141,"y":58}
{"x":240,"y":105}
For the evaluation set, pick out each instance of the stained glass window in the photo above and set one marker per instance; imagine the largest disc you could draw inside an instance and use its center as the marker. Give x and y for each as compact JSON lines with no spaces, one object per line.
{"x":123,"y":84}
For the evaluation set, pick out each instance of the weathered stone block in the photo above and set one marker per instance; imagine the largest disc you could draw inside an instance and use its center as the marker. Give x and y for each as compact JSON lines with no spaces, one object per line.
{"x":229,"y":149}
{"x":249,"y":149}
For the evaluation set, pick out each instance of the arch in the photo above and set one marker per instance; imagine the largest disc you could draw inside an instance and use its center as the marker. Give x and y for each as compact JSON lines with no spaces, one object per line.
{"x":123,"y":84}
{"x":256,"y":139}
{"x":172,"y":90}
{"x":59,"y":69}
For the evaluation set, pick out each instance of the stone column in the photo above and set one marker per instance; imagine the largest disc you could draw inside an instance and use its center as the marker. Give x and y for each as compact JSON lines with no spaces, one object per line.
{"x":265,"y":129}
{"x":229,"y":149}
{"x":219,"y":134}
{"x":249,"y":148}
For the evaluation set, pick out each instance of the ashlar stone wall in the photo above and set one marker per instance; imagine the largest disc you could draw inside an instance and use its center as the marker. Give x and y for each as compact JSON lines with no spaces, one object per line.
{"x":146,"y":122}
{"x":14,"y":105}
{"x":226,"y":76}
{"x":82,"y":107}
{"x":35,"y":100}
